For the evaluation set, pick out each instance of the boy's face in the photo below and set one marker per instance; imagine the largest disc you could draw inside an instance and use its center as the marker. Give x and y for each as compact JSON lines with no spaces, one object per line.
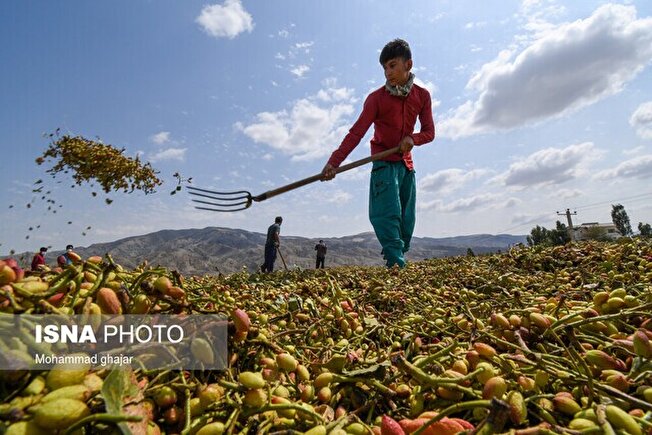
{"x":397,"y":70}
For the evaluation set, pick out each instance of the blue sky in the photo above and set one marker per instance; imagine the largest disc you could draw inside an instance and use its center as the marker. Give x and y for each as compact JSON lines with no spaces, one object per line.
{"x":539,"y":106}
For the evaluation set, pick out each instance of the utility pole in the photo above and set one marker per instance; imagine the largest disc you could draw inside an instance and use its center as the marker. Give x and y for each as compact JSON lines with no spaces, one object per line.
{"x":568,"y":214}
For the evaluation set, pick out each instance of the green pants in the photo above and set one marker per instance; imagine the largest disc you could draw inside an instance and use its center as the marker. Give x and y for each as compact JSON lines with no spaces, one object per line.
{"x":392,"y":201}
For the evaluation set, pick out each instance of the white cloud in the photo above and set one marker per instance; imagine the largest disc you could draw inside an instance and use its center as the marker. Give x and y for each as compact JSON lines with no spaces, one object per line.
{"x":160,"y":137}
{"x":641,"y":119}
{"x":304,"y":46}
{"x":430,"y":87}
{"x":435,"y":103}
{"x":634,"y":151}
{"x":356,"y":174}
{"x":296,"y":55}
{"x":169,"y":154}
{"x":438,"y":16}
{"x":299,"y":49}
{"x":512,"y":202}
{"x":480,"y":201}
{"x":550,"y":166}
{"x":565,"y":194}
{"x":448,"y":180}
{"x":283,"y":33}
{"x":334,"y":94}
{"x":309,"y":128}
{"x":528,"y":5}
{"x":528,"y":218}
{"x":300,"y":70}
{"x":537,"y":14}
{"x":475,"y":25}
{"x":639,"y":167}
{"x":564,"y":69}
{"x":339,"y":197}
{"x":227,"y":20}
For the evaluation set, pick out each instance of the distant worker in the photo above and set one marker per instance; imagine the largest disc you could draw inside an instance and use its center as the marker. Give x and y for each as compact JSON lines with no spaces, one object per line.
{"x":271,"y":244}
{"x":61,"y":261}
{"x":321,"y":254}
{"x":39,"y":259}
{"x":67,"y":257}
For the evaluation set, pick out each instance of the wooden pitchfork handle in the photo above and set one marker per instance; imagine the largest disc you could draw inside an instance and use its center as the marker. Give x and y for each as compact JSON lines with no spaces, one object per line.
{"x":317,"y":177}
{"x":278,"y":249}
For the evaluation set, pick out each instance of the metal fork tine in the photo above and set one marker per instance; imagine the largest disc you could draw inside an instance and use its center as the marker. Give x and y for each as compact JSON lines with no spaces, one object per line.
{"x":221,"y":204}
{"x":220,"y":198}
{"x":246,"y":193}
{"x":227,"y":201}
{"x":222,"y":210}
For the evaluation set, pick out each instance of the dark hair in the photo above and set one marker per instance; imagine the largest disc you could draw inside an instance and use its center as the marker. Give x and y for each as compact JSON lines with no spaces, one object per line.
{"x":43,"y":249}
{"x":69,"y":247}
{"x":395,"y":48}
{"x":321,"y":241}
{"x":278,"y":219}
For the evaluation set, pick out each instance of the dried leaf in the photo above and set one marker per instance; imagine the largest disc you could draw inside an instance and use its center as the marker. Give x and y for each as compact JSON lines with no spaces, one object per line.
{"x":120,"y":388}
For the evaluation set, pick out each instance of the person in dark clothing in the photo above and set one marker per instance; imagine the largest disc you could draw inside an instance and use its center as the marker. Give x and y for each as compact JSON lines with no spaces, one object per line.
{"x":67,"y":255}
{"x":39,"y":259}
{"x":271,"y":245}
{"x":61,"y":261}
{"x":321,"y":254}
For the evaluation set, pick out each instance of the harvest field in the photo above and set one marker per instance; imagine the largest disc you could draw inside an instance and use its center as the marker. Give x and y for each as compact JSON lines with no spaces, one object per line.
{"x":533,"y":340}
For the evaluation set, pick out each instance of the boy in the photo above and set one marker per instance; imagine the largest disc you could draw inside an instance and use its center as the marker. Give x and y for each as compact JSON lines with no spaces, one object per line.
{"x":393,"y":110}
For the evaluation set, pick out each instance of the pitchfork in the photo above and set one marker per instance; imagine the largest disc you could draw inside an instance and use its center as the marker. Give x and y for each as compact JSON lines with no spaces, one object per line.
{"x":242,"y":199}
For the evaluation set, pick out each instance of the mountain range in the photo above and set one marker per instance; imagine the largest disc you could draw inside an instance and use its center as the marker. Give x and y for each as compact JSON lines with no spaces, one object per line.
{"x":214,"y":249}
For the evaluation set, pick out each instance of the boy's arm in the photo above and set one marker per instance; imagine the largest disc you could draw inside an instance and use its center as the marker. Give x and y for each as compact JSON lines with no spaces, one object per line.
{"x":356,"y":133}
{"x":427,"y":133}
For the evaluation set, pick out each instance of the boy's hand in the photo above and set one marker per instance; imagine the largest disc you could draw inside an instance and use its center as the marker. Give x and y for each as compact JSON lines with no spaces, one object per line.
{"x":328,"y":173}
{"x":406,"y":145}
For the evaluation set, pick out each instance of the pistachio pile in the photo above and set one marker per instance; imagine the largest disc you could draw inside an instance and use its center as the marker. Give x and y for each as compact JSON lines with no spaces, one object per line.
{"x":533,"y":340}
{"x":88,"y":160}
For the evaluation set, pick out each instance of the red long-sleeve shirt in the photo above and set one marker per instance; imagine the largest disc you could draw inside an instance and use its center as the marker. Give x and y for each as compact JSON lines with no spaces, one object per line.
{"x":393,"y":119}
{"x":37,"y":261}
